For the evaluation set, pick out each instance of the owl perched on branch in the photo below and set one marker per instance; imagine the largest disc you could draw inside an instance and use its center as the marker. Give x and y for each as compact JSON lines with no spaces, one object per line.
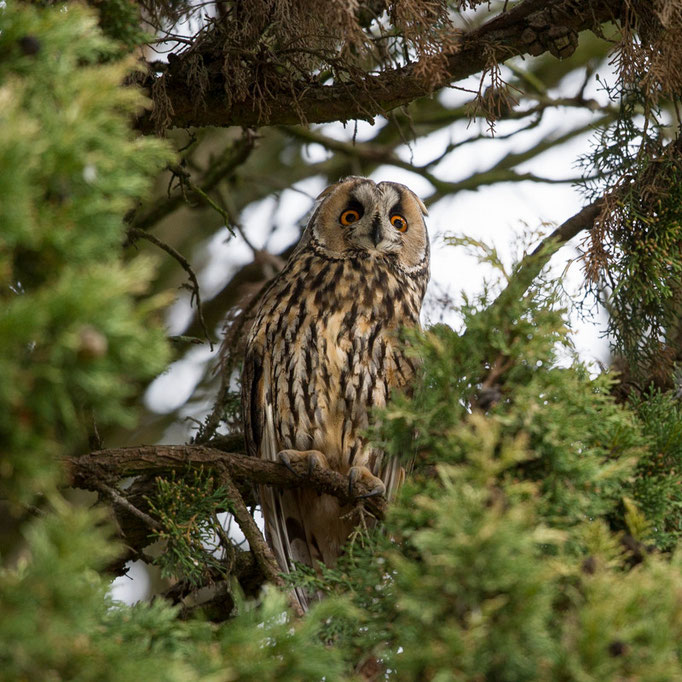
{"x":323,"y":351}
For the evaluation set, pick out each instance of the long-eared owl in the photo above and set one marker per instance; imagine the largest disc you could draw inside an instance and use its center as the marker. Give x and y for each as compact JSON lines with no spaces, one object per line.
{"x":324,"y":350}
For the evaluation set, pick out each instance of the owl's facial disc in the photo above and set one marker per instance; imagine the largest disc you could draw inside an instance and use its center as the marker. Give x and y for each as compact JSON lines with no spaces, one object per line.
{"x":383,"y":218}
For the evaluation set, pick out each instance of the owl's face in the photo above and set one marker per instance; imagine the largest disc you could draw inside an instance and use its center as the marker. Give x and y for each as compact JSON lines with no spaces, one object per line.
{"x":384,"y":218}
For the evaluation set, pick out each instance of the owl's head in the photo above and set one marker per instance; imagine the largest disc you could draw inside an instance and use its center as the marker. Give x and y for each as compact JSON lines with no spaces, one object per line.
{"x":359,"y":214}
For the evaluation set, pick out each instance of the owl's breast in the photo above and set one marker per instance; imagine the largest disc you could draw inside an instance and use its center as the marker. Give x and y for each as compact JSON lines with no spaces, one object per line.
{"x":333,"y":354}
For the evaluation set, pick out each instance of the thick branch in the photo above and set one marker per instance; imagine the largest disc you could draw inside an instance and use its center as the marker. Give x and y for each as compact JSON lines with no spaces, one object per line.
{"x":525,"y":29}
{"x":88,"y":471}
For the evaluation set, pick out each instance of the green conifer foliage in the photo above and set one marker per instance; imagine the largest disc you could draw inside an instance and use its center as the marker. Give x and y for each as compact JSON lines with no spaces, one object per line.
{"x":658,"y":486}
{"x":74,"y":341}
{"x":518,"y":549}
{"x":77,"y":336}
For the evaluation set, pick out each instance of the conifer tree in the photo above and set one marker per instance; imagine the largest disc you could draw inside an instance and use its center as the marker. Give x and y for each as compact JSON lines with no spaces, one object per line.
{"x":537,"y":535}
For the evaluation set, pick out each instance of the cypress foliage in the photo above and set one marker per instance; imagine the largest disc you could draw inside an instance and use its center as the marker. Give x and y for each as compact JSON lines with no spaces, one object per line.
{"x":77,"y":335}
{"x":74,"y":340}
{"x":527,"y":544}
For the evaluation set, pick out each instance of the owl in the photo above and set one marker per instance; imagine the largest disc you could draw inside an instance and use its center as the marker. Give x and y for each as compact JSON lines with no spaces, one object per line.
{"x":324,"y":350}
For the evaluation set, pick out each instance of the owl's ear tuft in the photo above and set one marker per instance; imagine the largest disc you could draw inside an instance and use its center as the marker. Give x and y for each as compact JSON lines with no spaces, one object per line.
{"x":420,"y":203}
{"x":326,"y":192}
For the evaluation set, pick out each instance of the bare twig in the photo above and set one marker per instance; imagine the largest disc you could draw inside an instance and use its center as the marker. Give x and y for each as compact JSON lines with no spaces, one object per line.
{"x":135,"y":233}
{"x":120,"y":501}
{"x":221,"y":168}
{"x":228,"y":547}
{"x":193,"y":340}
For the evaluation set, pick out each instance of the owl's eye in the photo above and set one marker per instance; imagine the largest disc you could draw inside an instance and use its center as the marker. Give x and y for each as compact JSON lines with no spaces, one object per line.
{"x":399,"y":223}
{"x":349,"y":216}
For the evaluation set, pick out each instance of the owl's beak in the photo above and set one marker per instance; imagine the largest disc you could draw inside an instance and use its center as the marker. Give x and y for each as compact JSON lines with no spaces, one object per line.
{"x":375,"y":237}
{"x":376,"y":230}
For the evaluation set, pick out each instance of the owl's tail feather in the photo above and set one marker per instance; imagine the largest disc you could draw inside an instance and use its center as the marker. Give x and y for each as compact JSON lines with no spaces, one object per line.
{"x":302,"y":526}
{"x":280,"y":541}
{"x":285,"y":514}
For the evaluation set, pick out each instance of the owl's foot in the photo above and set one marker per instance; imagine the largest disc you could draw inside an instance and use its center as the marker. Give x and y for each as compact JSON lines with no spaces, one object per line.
{"x":312,"y":460}
{"x":375,"y":485}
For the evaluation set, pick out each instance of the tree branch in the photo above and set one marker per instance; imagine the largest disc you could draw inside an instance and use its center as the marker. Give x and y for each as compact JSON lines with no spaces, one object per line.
{"x":264,"y":556}
{"x":262,"y":553}
{"x":125,"y":504}
{"x":501,"y":171}
{"x":222,"y":167}
{"x":88,"y":471}
{"x":135,"y":233}
{"x":528,"y":28}
{"x":531,"y":265}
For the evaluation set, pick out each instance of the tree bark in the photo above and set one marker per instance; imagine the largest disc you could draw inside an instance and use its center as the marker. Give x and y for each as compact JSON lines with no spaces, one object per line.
{"x":89,"y":471}
{"x":533,"y":27}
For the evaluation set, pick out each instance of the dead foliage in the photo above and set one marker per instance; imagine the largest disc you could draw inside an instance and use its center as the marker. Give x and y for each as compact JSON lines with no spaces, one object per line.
{"x":259,"y":48}
{"x":633,"y":256}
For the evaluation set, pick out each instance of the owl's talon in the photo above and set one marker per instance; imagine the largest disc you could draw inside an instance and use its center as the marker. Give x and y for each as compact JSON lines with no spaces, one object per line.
{"x":375,"y":484}
{"x":377,"y":491}
{"x":352,"y":476}
{"x":313,"y":459}
{"x":284,"y":459}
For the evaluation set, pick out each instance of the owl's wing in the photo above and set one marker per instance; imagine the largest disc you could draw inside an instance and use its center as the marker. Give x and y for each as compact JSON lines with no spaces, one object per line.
{"x":389,"y":469}
{"x":261,"y":441}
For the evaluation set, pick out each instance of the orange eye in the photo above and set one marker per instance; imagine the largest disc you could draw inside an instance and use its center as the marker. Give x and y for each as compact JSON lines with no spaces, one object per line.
{"x":399,"y":223}
{"x":349,"y":216}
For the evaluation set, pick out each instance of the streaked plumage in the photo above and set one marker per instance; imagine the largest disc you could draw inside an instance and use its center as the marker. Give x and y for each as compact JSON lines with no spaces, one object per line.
{"x":323,"y":351}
